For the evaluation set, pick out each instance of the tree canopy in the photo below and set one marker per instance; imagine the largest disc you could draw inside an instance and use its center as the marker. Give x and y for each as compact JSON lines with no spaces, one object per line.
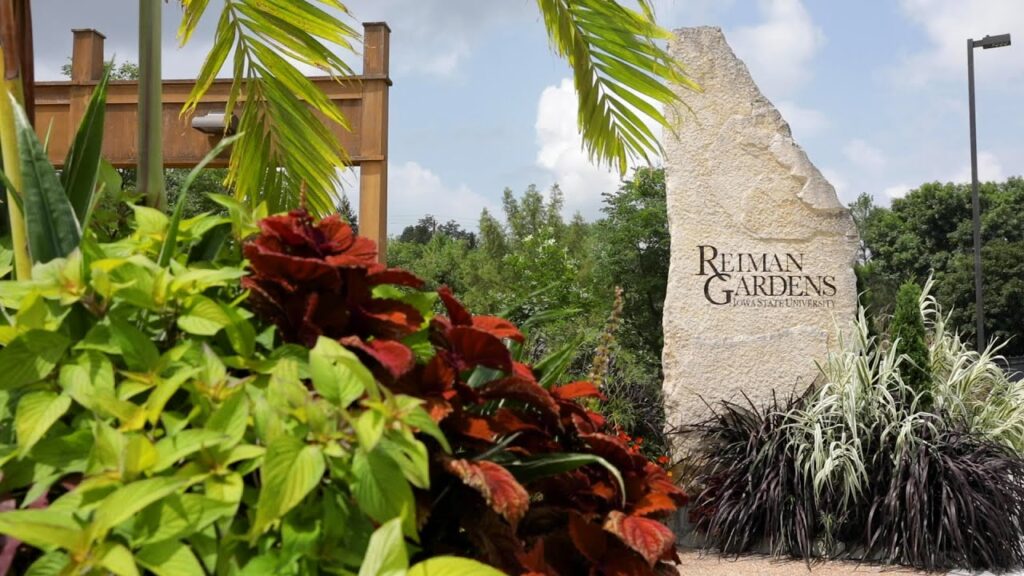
{"x":928,"y":232}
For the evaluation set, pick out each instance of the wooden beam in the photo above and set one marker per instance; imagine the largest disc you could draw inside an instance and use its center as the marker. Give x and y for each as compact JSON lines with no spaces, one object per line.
{"x":362,"y":99}
{"x":373,"y":174}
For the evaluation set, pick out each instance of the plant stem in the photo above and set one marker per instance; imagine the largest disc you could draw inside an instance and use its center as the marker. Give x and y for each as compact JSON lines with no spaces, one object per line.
{"x":11,"y":60}
{"x":151,"y":170}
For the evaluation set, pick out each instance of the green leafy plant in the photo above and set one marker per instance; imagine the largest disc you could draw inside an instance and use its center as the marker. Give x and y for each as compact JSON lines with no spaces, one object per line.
{"x":147,"y":424}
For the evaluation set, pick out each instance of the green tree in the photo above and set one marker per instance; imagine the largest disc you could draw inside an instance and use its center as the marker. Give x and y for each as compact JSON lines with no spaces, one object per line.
{"x":907,"y":333}
{"x":633,"y":253}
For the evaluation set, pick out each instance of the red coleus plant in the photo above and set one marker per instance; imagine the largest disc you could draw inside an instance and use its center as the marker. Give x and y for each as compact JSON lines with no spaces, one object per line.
{"x":316,"y":279}
{"x":537,"y":481}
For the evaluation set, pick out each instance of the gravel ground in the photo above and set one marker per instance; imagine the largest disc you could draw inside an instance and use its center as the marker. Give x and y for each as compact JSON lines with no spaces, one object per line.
{"x":695,"y":564}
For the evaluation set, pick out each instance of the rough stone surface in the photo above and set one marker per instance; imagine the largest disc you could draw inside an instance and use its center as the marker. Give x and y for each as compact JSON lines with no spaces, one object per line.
{"x":741,"y":187}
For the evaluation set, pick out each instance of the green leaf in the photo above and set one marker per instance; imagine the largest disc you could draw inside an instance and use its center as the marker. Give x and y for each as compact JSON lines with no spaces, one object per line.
{"x":117,"y":559}
{"x":90,"y":375}
{"x":553,"y":367}
{"x":337,"y":373}
{"x":176,"y":517}
{"x":170,"y":558}
{"x":30,"y":357}
{"x":291,"y":470}
{"x":382,"y":491}
{"x":240,"y":332}
{"x":53,"y":230}
{"x":369,"y":427}
{"x":386,"y":554}
{"x":42,"y":528}
{"x":171,"y":239}
{"x":231,"y":418}
{"x":555,"y":463}
{"x":286,"y":141}
{"x":37,"y":412}
{"x":50,"y":564}
{"x":82,"y":163}
{"x":203,"y":317}
{"x":139,"y":456}
{"x":620,"y":71}
{"x":452,"y":566}
{"x":173,"y":448}
{"x":136,"y":348}
{"x":410,"y":455}
{"x":418,"y":418}
{"x":128,"y":500}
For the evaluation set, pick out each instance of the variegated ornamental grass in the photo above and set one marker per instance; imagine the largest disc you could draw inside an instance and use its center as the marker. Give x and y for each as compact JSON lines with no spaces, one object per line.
{"x":931,"y":476}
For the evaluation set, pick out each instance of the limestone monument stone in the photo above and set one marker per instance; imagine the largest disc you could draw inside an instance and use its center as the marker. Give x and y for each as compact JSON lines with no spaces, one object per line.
{"x":761,"y":278}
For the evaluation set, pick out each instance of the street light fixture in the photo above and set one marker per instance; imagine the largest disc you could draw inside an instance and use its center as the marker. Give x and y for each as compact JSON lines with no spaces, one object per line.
{"x":987,"y":42}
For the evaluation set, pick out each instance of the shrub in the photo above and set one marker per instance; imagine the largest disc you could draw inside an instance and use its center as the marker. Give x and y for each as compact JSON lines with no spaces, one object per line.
{"x":146,"y":422}
{"x":908,"y":335}
{"x":950,"y":499}
{"x":867,"y":462}
{"x":534,"y":481}
{"x":149,"y":420}
{"x":753,"y":491}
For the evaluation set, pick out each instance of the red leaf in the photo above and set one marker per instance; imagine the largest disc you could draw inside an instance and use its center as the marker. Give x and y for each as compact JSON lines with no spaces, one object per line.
{"x":523,"y":371}
{"x":515,"y":388}
{"x":654,"y":503}
{"x":576,"y":390}
{"x":650,"y":538}
{"x":362,"y":254}
{"x":289,"y":268}
{"x":438,"y":408}
{"x":389,"y":319}
{"x":293,"y":228}
{"x":477,"y":427}
{"x":438,"y":374}
{"x":456,"y":311}
{"x":396,"y":276}
{"x":394,"y":357}
{"x":478,"y":348}
{"x":337,"y":235}
{"x":509,"y":423}
{"x":498,"y":327}
{"x":589,"y":538}
{"x":615,"y":451}
{"x":501,"y":491}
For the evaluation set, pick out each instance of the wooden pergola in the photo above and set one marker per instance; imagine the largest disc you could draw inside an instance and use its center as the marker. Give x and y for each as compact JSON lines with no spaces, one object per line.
{"x":362,"y":99}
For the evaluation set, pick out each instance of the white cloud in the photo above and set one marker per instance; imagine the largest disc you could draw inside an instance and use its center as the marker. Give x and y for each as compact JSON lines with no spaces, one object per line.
{"x":415,"y":191}
{"x":896,"y":191}
{"x":989,"y":169}
{"x":804,"y":122}
{"x":779,"y":50}
{"x":436,"y":37}
{"x":948,"y":24}
{"x":864,"y":155}
{"x":561,"y":152}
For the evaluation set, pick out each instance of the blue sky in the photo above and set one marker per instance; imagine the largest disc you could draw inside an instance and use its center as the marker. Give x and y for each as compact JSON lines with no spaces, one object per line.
{"x":875,"y":90}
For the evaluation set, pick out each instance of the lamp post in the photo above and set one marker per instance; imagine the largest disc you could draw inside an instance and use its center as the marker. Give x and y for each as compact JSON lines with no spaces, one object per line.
{"x":979,"y":296}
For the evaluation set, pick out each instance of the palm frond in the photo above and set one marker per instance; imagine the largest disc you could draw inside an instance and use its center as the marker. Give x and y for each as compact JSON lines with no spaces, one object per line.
{"x":620,"y":73}
{"x":285,"y":141}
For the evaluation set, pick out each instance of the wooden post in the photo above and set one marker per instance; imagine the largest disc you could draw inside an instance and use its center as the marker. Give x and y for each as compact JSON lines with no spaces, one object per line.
{"x":86,"y":70}
{"x":373,"y":170}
